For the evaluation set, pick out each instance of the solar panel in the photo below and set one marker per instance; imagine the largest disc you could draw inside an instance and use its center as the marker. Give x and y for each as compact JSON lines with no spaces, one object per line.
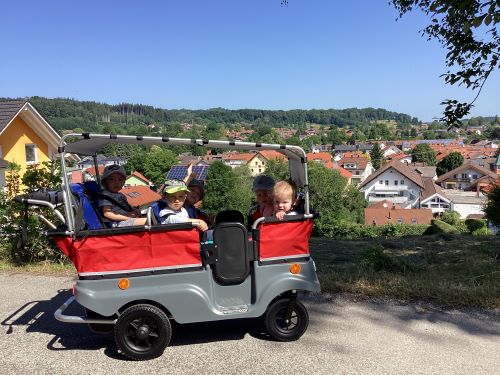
{"x":179,"y":172}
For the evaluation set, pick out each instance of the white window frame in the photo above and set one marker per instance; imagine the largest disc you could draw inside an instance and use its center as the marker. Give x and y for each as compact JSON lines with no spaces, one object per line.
{"x":35,"y":153}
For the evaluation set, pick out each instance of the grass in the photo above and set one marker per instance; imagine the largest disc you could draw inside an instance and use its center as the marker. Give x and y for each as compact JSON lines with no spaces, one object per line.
{"x":451,"y":270}
{"x":45,"y":268}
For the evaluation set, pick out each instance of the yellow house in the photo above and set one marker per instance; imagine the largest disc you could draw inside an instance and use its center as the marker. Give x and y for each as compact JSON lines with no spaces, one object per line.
{"x":26,"y":138}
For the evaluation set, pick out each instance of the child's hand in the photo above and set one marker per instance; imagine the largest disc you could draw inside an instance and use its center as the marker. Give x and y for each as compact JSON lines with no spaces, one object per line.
{"x":280,"y":215}
{"x":202,"y":225}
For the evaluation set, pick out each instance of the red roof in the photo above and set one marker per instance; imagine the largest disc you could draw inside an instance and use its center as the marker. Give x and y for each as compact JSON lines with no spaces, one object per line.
{"x":381,"y":216}
{"x":91,"y":170}
{"x":138,"y":196}
{"x":271,"y":154}
{"x":245,"y":156}
{"x":343,"y":172}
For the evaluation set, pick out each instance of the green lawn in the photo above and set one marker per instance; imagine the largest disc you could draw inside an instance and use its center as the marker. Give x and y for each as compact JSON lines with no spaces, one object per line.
{"x":455,"y":270}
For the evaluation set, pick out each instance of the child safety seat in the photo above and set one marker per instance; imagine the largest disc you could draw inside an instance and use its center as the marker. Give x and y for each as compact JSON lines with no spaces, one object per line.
{"x":87,"y":214}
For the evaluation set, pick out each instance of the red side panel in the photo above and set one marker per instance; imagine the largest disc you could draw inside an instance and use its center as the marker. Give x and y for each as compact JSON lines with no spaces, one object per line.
{"x":132,"y":251}
{"x":285,"y":240}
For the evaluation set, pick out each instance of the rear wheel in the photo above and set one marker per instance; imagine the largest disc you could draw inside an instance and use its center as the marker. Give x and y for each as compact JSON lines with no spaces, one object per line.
{"x":286,"y":319}
{"x":142,"y":332}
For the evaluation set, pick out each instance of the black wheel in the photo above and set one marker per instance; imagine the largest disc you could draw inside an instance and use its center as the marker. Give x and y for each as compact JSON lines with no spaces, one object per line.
{"x":102,"y":329}
{"x":142,"y":332}
{"x":286,"y":319}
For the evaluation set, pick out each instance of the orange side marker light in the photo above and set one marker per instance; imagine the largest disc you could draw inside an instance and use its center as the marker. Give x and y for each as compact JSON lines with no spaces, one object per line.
{"x":123,"y":284}
{"x":295,"y":268}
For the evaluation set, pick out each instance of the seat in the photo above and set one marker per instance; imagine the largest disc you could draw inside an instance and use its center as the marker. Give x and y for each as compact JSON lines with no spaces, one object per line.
{"x":229,"y":216}
{"x":156,"y":208}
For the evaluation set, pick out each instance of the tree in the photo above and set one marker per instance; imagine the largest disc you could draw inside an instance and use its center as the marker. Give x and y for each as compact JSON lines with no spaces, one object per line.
{"x":377,"y":156}
{"x":157,"y":163}
{"x":220,"y":187}
{"x":423,"y":153}
{"x":492,"y":208}
{"x":449,"y":162}
{"x":467,"y":30}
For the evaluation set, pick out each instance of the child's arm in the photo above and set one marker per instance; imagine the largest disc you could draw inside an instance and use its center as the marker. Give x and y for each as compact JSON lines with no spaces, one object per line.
{"x":110,"y":215}
{"x":280,"y":215}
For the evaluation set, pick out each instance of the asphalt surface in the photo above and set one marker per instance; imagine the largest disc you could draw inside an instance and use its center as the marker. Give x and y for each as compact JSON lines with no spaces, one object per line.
{"x":345,"y":336}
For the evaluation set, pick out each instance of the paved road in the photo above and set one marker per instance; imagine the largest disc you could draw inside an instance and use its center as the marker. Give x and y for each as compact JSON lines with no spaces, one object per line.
{"x":345,"y":336}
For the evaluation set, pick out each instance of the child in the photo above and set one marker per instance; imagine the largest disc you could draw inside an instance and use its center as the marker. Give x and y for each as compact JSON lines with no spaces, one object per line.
{"x":114,"y":204}
{"x":195,"y":195}
{"x":263,"y":189}
{"x":285,"y":199}
{"x":174,"y":194}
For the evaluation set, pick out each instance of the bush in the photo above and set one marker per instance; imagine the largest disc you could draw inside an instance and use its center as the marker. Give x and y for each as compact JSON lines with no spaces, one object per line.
{"x":375,"y":259}
{"x":439,"y":226}
{"x":483,"y":231}
{"x":450,"y":217}
{"x":474,"y":224}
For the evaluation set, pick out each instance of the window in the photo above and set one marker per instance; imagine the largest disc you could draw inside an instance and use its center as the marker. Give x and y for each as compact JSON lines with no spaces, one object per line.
{"x":386,"y":182}
{"x":474,"y":176}
{"x":396,"y":182}
{"x":414,"y":220}
{"x":464,"y":175}
{"x":356,"y":172}
{"x":380,"y":182}
{"x":31,"y":153}
{"x":399,"y":221}
{"x":402,"y":182}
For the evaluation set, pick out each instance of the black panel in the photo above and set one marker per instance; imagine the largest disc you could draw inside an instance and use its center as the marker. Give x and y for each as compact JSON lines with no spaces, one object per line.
{"x":233,"y":265}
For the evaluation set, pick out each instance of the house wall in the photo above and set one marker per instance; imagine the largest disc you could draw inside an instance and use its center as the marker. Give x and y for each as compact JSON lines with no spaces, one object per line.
{"x":465,"y":209}
{"x":257,"y":165}
{"x":134,"y":181}
{"x":13,"y":141}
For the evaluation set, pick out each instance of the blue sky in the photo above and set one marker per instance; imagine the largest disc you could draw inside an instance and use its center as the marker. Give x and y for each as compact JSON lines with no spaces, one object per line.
{"x":233,"y":54}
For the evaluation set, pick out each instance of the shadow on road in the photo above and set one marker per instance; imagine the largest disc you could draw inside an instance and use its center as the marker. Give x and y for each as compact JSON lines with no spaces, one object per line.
{"x":38,"y":317}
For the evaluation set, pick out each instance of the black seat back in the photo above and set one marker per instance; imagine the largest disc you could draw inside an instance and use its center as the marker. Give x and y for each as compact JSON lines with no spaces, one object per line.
{"x":233,"y":265}
{"x":229,"y":216}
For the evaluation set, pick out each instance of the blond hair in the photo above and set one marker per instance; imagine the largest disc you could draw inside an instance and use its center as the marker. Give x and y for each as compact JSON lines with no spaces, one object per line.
{"x":282,"y":188}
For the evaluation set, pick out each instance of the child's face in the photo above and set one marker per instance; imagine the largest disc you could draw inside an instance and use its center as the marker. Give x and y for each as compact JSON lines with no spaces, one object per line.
{"x":176,"y":200}
{"x":194,"y":195}
{"x":264,"y":197}
{"x":114,"y":182}
{"x":283,"y":202}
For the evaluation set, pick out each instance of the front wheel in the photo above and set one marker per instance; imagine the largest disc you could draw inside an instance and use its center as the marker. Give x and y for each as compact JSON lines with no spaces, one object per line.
{"x":286,"y":319}
{"x":142,"y":332}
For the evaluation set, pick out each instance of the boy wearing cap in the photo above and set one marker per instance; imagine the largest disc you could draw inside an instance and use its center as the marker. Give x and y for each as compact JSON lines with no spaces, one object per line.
{"x":113,"y":204}
{"x":174,"y":194}
{"x":263,"y":188}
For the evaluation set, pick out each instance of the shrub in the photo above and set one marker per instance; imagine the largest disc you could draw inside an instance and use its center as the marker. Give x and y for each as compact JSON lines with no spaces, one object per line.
{"x":439,"y":226}
{"x":376,"y":259}
{"x":450,"y":217}
{"x":474,"y":224}
{"x":483,"y":231}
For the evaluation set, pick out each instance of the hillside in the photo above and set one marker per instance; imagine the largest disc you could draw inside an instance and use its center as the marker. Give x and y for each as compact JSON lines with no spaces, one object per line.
{"x":69,"y":114}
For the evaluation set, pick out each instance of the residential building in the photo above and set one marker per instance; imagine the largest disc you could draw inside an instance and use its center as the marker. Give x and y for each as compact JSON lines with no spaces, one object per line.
{"x":395,"y":182}
{"x":434,"y":198}
{"x":324,"y":158}
{"x":464,"y":177}
{"x":26,"y":137}
{"x":359,"y":166}
{"x":138,"y":179}
{"x":257,"y":164}
{"x":386,"y":212}
{"x":321,"y":148}
{"x":102,"y":160}
{"x":467,"y":202}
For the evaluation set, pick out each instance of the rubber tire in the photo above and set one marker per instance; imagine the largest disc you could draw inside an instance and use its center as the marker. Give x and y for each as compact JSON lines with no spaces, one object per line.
{"x":281,"y":330}
{"x":139,"y":317}
{"x":101,"y":329}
